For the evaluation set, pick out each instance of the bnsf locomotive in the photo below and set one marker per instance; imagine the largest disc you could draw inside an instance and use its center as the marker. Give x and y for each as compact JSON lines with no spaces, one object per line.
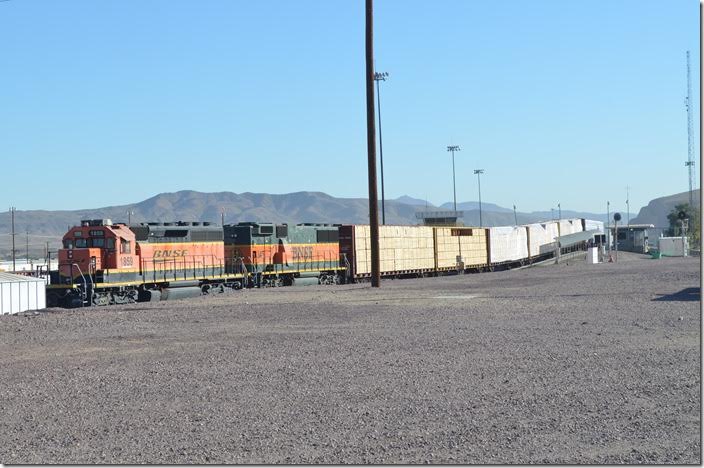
{"x":103,"y":263}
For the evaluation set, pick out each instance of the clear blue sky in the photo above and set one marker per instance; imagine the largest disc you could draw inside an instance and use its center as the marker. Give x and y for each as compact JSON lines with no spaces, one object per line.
{"x":111,"y":102}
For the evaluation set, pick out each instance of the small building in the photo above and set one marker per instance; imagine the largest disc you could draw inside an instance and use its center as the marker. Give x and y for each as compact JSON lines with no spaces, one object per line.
{"x":441,"y":218}
{"x":632,"y":237}
{"x":20,"y":293}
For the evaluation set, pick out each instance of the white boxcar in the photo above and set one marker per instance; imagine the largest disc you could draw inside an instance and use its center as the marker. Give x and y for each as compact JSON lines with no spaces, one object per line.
{"x":541,"y":238}
{"x":20,"y":293}
{"x":570,"y":226}
{"x":508,"y":244}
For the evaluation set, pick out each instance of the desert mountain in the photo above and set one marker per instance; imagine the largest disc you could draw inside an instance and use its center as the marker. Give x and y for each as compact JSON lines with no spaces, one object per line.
{"x":188,"y":205}
{"x":657,"y":210}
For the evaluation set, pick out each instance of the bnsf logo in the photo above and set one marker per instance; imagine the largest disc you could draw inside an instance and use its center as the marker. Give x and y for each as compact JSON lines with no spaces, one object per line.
{"x":170,"y":253}
{"x":302,"y":252}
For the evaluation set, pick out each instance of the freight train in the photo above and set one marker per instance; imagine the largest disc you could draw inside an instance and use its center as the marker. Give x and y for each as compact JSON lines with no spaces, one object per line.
{"x":103,"y":263}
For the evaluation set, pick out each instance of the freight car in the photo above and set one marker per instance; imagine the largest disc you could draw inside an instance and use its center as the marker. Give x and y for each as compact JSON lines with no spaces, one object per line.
{"x":407,"y":251}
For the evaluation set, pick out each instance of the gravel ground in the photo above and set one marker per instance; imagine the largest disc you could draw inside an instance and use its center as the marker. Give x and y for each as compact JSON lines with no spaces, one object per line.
{"x":568,"y":363}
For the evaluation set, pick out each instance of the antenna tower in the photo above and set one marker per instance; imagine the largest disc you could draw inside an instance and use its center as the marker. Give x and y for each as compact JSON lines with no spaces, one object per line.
{"x":690,"y":145}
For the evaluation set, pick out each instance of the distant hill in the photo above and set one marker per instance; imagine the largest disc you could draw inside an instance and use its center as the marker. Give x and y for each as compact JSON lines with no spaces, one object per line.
{"x":414,"y":201}
{"x":657,"y":210}
{"x":474,"y":205}
{"x":188,"y":205}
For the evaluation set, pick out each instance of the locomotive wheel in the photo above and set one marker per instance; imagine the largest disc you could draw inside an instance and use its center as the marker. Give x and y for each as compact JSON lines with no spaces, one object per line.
{"x":101,"y":299}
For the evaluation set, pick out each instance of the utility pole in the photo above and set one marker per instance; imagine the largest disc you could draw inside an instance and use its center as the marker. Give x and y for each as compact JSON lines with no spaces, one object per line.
{"x":12,"y":214}
{"x":452,"y":149}
{"x":559,"y":233}
{"x":222,"y":216}
{"x":608,"y":227}
{"x":371,"y":144}
{"x":515,"y":217}
{"x":381,"y":77}
{"x":479,"y":183}
{"x":690,"y":131}
{"x":129,"y":217}
{"x":628,"y":208}
{"x":27,"y":246}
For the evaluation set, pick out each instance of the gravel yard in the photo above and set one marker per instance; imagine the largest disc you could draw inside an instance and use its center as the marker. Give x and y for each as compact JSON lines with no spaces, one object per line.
{"x":569,"y":363}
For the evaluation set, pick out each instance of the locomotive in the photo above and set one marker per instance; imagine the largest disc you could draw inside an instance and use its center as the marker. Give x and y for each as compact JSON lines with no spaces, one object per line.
{"x":102,"y":263}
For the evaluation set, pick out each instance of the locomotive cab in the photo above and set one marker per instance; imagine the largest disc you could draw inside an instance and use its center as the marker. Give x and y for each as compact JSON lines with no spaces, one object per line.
{"x":94,"y":246}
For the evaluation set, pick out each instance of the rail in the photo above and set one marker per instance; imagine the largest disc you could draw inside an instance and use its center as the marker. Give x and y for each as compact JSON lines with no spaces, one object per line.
{"x":85,"y":284}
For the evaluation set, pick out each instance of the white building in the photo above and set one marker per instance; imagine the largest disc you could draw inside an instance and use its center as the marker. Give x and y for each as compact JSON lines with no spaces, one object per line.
{"x":20,"y":293}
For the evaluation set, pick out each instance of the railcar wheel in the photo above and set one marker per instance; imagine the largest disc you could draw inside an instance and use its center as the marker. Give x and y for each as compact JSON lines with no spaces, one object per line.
{"x":101,"y":299}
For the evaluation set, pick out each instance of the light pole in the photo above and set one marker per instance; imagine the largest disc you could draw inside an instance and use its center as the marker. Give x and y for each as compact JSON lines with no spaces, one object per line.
{"x":452,"y":149}
{"x":12,"y":214}
{"x":559,"y":211}
{"x":381,"y":77}
{"x":515,"y":217}
{"x":628,"y":208}
{"x":129,"y":217}
{"x":479,"y":183}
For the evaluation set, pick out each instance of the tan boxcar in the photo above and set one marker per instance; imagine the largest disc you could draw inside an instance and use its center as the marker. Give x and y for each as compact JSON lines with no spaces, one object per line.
{"x":469,"y":243}
{"x":402,"y":249}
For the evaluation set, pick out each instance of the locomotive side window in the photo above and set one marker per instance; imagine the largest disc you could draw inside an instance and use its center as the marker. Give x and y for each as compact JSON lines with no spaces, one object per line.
{"x":68,"y":244}
{"x":77,"y":233}
{"x":100,"y":243}
{"x":124,"y":246}
{"x":81,"y":243}
{"x":111,"y":244}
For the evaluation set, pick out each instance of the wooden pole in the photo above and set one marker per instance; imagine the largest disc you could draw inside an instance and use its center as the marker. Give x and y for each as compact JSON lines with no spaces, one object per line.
{"x":371,"y":145}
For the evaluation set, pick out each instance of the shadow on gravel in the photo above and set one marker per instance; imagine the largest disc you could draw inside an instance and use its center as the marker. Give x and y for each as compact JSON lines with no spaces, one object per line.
{"x":687,"y":294}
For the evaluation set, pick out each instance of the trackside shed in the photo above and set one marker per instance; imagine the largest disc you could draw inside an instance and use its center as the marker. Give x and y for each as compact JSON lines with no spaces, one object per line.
{"x":21,"y":293}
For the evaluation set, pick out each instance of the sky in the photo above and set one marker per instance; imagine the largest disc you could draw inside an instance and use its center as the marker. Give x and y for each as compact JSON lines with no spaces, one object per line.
{"x":112,"y":102}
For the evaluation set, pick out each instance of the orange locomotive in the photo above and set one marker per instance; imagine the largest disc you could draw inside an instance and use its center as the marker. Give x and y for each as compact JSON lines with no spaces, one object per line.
{"x":103,"y":263}
{"x":283,"y":255}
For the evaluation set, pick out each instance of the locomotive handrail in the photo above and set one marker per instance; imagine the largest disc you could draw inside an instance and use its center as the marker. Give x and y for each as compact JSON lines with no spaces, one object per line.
{"x":85,"y":284}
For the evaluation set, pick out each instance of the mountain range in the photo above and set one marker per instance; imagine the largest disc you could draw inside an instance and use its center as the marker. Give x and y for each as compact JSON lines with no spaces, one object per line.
{"x":312,"y":207}
{"x":656,"y":211}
